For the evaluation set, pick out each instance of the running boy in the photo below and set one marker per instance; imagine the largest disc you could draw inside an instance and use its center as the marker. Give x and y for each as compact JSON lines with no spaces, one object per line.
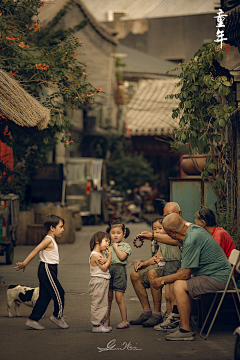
{"x":49,"y":286}
{"x":118,"y":282}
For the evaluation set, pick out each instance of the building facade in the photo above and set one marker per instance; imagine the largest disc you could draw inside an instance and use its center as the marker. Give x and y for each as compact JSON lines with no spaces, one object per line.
{"x":98,"y":53}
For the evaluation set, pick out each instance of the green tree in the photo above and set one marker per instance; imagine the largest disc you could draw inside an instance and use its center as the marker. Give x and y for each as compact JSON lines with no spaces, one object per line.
{"x":130,"y":171}
{"x":44,"y":61}
{"x":127,"y":170}
{"x":206,"y":101}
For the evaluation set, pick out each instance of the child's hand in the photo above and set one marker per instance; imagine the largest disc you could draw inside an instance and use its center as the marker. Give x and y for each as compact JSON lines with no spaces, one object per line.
{"x":109,"y":252}
{"x":114,"y":244}
{"x":156,"y":259}
{"x":102,"y":261}
{"x":20,"y":266}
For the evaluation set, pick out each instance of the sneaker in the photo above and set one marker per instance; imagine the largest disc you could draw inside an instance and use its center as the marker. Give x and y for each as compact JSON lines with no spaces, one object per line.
{"x":106,"y":325}
{"x":171,"y":318}
{"x":165,"y":316}
{"x":171,"y":323}
{"x":142,"y":318}
{"x":59,"y":322}
{"x":34,"y":325}
{"x":152,"y":321}
{"x":123,"y":325}
{"x":100,"y":329}
{"x":179,"y":336}
{"x":178,"y":327}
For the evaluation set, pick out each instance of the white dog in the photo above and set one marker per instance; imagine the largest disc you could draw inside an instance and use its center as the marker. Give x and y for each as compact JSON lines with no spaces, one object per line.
{"x":21,"y":294}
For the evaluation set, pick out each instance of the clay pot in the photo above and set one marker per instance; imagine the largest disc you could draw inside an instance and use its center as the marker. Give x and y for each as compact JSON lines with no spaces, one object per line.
{"x":189,"y":167}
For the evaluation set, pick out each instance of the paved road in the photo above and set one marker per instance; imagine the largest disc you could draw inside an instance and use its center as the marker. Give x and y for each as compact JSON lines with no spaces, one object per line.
{"x":78,"y":342}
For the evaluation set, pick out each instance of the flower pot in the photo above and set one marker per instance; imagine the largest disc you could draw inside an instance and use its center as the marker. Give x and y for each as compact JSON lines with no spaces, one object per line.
{"x":189,"y":167}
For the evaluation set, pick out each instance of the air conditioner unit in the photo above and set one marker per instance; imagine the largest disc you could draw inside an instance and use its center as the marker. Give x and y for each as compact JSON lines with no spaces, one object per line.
{"x":111,"y":14}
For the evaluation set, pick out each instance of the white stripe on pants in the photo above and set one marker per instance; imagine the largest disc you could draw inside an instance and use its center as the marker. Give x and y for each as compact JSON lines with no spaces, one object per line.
{"x":98,"y":291}
{"x":55,"y":289}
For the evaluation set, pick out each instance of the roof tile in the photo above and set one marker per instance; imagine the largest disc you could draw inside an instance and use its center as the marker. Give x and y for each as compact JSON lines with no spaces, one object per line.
{"x":142,"y":9}
{"x":148,"y":112}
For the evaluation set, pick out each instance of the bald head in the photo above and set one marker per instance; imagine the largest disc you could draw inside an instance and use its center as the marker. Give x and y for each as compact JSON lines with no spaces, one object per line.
{"x":172,"y":207}
{"x":173,"y":222}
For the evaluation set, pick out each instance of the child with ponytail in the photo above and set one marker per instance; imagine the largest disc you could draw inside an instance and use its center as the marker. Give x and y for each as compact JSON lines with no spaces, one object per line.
{"x":118,"y":281}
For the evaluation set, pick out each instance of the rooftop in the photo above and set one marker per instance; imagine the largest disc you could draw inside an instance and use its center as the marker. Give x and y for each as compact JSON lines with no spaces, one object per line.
{"x":148,"y":112}
{"x":140,"y":62}
{"x":103,"y":10}
{"x":52,"y":7}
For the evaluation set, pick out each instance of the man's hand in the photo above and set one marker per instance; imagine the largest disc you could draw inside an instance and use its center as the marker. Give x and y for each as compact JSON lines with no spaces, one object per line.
{"x":138,"y":265}
{"x":157,"y":283}
{"x":145,"y":234}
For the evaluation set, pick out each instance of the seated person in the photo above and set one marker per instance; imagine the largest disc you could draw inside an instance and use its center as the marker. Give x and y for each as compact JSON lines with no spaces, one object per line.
{"x":203,"y":258}
{"x":146,"y":272}
{"x":206,"y":219}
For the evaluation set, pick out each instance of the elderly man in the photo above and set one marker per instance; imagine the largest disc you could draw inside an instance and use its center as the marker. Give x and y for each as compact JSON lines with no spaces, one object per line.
{"x":170,"y":208}
{"x":202,"y":257}
{"x":146,"y":272}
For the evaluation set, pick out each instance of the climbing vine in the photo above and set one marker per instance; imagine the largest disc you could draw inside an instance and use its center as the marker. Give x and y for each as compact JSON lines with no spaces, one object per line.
{"x":206,"y":101}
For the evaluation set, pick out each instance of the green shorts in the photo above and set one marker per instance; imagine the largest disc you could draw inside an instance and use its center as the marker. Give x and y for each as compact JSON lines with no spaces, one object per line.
{"x":143,"y":273}
{"x":118,"y":280}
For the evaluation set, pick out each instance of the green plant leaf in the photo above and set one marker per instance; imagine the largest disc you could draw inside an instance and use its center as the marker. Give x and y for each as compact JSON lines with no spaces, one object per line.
{"x":221,"y":123}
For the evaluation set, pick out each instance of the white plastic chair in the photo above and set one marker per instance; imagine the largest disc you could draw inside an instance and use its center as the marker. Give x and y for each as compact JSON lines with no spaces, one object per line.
{"x":234,"y":260}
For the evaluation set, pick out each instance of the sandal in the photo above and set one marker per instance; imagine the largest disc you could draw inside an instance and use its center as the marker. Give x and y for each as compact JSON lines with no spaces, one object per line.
{"x":123,"y":325}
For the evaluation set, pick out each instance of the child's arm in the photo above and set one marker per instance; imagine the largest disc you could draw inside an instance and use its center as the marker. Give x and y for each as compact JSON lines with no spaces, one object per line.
{"x":102,"y":260}
{"x":158,"y":257}
{"x":155,"y":259}
{"x":97,"y":259}
{"x":41,"y":246}
{"x":107,"y":265}
{"x":120,"y":254}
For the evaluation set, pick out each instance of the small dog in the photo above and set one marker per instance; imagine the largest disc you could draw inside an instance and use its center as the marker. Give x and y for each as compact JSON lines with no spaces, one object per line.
{"x":21,"y":294}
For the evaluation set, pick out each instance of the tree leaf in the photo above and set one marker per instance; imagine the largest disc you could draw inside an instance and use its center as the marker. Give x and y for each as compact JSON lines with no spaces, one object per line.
{"x":222,"y":123}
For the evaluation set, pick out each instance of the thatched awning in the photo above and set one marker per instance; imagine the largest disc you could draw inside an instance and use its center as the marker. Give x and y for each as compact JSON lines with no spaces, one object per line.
{"x":17,"y":105}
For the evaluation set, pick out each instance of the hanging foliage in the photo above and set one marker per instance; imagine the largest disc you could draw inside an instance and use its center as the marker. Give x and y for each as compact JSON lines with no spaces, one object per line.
{"x":45,"y":62}
{"x":206,"y":101}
